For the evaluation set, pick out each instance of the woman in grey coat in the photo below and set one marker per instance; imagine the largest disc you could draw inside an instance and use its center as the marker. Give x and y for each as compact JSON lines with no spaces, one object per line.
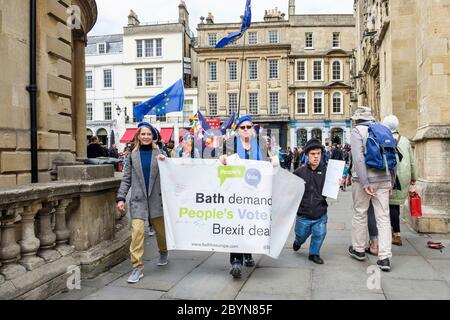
{"x":142,"y":176}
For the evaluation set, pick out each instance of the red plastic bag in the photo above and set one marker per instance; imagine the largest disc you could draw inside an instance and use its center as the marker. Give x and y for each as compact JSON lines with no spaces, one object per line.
{"x":415,"y":204}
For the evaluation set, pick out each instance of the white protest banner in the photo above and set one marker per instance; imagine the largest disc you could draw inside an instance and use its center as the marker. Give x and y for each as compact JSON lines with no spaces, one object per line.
{"x":211,"y":207}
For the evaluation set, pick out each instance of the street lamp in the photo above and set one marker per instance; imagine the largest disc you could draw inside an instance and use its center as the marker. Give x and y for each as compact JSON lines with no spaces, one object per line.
{"x":118,"y":110}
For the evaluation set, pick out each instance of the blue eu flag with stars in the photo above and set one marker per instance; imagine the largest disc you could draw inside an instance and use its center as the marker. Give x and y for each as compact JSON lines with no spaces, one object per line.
{"x":246,"y":22}
{"x":171,"y":100}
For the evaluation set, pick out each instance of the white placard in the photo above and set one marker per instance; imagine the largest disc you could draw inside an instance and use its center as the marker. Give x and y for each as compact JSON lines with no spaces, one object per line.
{"x":335,"y":171}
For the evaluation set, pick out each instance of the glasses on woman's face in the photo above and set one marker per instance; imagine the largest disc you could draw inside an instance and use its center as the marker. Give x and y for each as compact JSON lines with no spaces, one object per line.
{"x":246,"y":127}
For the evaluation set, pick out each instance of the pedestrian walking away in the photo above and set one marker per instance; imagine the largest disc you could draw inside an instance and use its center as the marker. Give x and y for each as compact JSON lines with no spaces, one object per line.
{"x":405,"y":181}
{"x":372,"y":182}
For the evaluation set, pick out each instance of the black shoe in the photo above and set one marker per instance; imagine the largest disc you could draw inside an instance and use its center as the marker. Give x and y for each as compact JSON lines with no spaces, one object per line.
{"x":250,"y":263}
{"x":236,"y":269}
{"x":296,"y":246}
{"x":384,"y":265}
{"x":316,"y":259}
{"x":361,"y":256}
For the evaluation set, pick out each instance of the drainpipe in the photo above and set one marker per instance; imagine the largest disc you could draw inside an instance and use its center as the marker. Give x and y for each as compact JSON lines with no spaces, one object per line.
{"x":32,"y":89}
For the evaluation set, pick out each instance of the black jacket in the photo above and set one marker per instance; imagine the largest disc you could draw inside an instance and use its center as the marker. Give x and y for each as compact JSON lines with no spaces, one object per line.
{"x":94,"y":150}
{"x":313,"y":205}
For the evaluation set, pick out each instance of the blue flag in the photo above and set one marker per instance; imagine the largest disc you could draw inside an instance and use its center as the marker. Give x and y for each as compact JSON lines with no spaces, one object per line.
{"x":228,"y":124}
{"x":171,"y":100}
{"x":246,"y":22}
{"x":204,"y":124}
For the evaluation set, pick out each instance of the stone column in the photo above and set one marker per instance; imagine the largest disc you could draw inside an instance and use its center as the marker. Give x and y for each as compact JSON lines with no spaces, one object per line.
{"x":433,"y":134}
{"x":79,"y":94}
{"x":46,"y":234}
{"x":9,"y":249}
{"x":61,"y":230}
{"x":29,"y":244}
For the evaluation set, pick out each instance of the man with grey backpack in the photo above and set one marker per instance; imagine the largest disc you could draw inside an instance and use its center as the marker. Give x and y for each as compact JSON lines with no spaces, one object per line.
{"x":373,"y":173}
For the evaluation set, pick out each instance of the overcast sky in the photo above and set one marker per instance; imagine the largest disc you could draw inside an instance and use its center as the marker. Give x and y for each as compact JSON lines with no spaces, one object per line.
{"x":113,"y":14}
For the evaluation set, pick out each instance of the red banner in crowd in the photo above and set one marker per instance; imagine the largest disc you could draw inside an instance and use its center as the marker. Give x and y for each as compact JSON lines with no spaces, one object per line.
{"x":214,"y":123}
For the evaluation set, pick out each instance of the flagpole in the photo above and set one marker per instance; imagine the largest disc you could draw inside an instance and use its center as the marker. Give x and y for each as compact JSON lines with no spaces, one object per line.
{"x":242,"y":73}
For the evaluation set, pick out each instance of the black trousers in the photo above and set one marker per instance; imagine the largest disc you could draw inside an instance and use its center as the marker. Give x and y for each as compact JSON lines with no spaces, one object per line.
{"x":394,"y":213}
{"x":240,"y":257}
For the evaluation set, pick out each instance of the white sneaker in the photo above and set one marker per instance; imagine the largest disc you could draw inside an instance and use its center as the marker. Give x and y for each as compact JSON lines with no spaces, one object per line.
{"x":135,"y":276}
{"x":151,"y":231}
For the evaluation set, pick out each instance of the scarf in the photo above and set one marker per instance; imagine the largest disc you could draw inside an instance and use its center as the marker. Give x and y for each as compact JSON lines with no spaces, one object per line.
{"x":255,"y":152}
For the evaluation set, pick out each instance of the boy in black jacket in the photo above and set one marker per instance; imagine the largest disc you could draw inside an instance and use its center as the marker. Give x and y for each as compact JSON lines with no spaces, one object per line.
{"x":312,"y":214}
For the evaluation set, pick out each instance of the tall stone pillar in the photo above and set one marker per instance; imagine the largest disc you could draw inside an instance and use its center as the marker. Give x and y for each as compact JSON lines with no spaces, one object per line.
{"x":433,"y":134}
{"x":79,"y":94}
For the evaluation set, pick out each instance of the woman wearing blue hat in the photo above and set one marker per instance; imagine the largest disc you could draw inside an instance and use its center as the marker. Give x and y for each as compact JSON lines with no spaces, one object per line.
{"x":245,"y":144}
{"x":142,"y":176}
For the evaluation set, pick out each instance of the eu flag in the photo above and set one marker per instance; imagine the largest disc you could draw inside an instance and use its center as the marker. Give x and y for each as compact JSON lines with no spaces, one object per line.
{"x":246,"y":22}
{"x":171,"y":100}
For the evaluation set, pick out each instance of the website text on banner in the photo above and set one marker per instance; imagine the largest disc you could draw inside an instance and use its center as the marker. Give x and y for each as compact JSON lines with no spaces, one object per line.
{"x":211,"y":207}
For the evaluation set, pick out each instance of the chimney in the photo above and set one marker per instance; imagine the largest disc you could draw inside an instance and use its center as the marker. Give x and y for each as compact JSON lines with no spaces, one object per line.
{"x":183,"y":14}
{"x":133,"y":19}
{"x":291,"y":8}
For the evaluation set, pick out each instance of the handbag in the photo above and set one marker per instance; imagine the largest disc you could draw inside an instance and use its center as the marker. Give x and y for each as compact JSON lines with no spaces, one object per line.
{"x":415,"y":204}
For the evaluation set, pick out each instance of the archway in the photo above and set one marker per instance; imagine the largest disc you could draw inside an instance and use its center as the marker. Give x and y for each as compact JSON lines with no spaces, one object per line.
{"x":302,"y":137}
{"x":317,"y":134}
{"x":102,"y":135}
{"x":337,"y":135}
{"x":89,"y":134}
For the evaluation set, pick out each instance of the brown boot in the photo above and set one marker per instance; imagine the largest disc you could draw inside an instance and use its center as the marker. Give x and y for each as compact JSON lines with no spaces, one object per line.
{"x":397,"y":239}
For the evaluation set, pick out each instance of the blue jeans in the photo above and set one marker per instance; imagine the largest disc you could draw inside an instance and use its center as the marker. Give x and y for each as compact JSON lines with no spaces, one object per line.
{"x":305,"y":227}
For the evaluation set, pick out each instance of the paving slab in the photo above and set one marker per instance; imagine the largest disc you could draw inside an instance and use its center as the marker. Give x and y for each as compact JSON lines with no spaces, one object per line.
{"x":331,"y":294}
{"x":122,"y":268}
{"x":101,"y":281}
{"x":277,"y":284}
{"x":410,"y":267}
{"x":159,"y":278}
{"x":288,"y":259}
{"x":75,"y":294}
{"x":206,"y":283}
{"x":341,"y":278}
{"x":420,"y":244}
{"x":399,"y":289}
{"x":443,"y":267}
{"x":120,"y":293}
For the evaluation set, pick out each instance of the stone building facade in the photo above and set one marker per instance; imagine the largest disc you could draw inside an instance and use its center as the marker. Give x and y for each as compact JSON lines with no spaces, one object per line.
{"x":63,"y":227}
{"x":403,"y":68}
{"x":288,"y":84}
{"x":61,"y":116}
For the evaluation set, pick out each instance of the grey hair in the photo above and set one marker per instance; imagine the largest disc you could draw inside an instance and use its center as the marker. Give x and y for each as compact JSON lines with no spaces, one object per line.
{"x":391,"y":122}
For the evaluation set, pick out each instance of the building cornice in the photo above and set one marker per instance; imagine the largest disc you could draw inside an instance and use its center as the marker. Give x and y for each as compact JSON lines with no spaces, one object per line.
{"x":323,"y":54}
{"x":238,"y":48}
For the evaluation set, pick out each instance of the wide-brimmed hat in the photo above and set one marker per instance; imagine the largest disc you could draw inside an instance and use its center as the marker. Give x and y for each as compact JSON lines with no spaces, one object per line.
{"x":152,"y":128}
{"x":313,"y":144}
{"x":363,"y":113}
